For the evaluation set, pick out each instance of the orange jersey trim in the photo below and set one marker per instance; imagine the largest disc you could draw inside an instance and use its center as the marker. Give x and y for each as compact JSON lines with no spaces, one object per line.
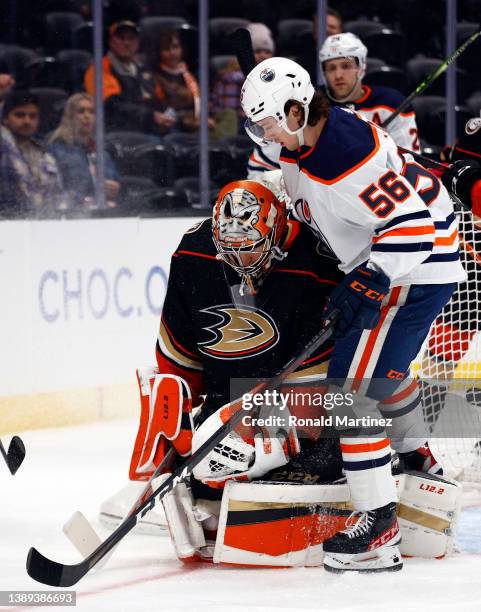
{"x":365,"y":447}
{"x":287,"y":160}
{"x":407,"y":231}
{"x":446,"y":241}
{"x":351,"y":170}
{"x":401,"y":395}
{"x":259,"y":162}
{"x":194,"y":254}
{"x":306,"y":273}
{"x":372,"y":340}
{"x":367,"y":92}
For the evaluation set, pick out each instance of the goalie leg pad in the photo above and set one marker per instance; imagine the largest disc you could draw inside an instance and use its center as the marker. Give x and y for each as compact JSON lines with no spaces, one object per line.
{"x":428,"y":513}
{"x":166,"y":414}
{"x":185,"y":529}
{"x":279,"y":525}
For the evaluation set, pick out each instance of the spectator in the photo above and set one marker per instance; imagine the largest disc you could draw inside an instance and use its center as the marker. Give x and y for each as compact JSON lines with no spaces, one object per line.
{"x":334,"y":25}
{"x":128,"y":89}
{"x":73,"y":146}
{"x":29,"y":177}
{"x":226,"y":92}
{"x":6,"y":84}
{"x":176,"y":87}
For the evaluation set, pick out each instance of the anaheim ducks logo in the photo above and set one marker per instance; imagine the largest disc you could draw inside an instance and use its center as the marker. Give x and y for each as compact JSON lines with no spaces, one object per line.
{"x":239,"y":333}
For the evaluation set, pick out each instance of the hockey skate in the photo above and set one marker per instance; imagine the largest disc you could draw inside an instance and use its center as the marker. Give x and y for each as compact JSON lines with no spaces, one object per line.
{"x":368,"y":544}
{"x":419,"y":460}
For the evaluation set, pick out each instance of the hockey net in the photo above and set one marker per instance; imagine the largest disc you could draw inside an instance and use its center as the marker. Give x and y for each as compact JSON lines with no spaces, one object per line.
{"x":450,"y":367}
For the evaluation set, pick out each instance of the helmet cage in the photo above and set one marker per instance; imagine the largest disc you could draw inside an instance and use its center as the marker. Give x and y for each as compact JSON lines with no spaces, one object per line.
{"x":231,"y":255}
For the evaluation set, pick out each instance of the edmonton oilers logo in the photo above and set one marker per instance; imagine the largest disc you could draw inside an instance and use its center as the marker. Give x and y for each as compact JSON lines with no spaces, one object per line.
{"x":267,"y":75}
{"x":303,"y":211}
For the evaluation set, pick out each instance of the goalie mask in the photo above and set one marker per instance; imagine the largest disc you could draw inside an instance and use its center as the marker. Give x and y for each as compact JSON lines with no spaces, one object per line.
{"x":248,"y":224}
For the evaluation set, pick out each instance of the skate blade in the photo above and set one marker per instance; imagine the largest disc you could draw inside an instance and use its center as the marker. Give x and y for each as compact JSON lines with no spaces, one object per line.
{"x":387,"y":559}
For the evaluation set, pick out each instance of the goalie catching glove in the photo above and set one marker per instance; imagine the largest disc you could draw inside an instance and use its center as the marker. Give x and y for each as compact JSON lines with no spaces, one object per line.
{"x":358,"y":299}
{"x":245,"y":453}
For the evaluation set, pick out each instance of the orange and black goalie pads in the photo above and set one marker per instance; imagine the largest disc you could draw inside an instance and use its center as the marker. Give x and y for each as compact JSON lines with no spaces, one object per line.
{"x":165,"y":419}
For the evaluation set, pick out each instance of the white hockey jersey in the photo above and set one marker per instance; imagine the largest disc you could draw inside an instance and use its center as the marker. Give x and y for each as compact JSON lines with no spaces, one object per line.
{"x":376,"y":104}
{"x":369,"y":202}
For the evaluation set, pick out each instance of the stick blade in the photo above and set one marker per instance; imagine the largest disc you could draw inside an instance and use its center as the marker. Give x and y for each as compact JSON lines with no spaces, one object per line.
{"x":242,"y":46}
{"x":16,"y":454}
{"x":50,"y":572}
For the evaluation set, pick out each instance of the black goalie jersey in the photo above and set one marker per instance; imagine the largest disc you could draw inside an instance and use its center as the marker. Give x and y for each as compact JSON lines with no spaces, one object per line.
{"x":210,"y":334}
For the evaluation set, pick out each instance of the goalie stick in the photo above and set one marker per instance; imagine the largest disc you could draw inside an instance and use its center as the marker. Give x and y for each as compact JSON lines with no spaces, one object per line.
{"x":56,"y":574}
{"x":81,"y":533}
{"x":430,"y":79}
{"x":15,"y":455}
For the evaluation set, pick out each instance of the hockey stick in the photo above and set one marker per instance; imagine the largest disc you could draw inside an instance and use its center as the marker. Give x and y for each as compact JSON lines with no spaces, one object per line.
{"x":242,"y":43}
{"x":81,"y":533}
{"x":430,"y":79}
{"x":15,"y":455}
{"x":57,"y":574}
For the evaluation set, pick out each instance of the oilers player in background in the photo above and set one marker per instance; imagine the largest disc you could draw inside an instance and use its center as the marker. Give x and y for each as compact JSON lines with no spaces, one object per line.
{"x":391,"y":225}
{"x":343,"y":59}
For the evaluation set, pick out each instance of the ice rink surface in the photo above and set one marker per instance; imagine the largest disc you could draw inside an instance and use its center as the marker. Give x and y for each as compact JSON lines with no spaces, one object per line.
{"x":77,"y":468}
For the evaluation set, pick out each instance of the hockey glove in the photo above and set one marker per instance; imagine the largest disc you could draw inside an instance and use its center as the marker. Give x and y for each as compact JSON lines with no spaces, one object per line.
{"x":463,"y":179}
{"x":245,"y":453}
{"x":358,"y":299}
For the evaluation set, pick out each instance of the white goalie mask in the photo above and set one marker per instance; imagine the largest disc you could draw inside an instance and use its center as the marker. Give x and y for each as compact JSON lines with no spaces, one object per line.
{"x":267,"y":88}
{"x":248,"y":224}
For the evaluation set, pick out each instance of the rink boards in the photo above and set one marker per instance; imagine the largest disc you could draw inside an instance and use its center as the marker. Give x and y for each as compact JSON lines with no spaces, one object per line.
{"x":79,"y":312}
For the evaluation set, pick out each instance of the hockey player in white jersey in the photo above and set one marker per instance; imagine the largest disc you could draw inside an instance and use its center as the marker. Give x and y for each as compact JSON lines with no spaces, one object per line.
{"x":391,"y":225}
{"x":343,"y":59}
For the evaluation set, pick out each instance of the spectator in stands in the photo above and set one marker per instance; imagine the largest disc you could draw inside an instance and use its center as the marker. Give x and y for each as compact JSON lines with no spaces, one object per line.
{"x":176,"y":87}
{"x":6,"y":84}
{"x":30,"y":181}
{"x":73,"y":146}
{"x":226,"y":91}
{"x":128,"y":88}
{"x":334,"y":25}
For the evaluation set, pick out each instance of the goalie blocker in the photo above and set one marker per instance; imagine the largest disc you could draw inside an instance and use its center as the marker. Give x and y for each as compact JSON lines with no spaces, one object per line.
{"x":284,"y":524}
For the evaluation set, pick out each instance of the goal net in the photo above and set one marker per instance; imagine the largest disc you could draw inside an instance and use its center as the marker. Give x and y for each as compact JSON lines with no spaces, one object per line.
{"x":450,"y":367}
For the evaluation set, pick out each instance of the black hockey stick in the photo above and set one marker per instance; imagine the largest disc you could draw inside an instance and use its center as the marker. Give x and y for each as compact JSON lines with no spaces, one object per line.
{"x":242,"y":44}
{"x":56,"y":574}
{"x":15,"y":455}
{"x":430,"y":79}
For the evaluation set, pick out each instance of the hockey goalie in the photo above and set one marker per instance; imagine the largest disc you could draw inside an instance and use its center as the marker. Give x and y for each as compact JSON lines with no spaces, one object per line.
{"x":245,"y":293}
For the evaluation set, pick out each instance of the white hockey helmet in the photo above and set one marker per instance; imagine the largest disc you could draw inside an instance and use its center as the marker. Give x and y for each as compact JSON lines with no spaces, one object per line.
{"x":267,"y":88}
{"x":344,"y":45}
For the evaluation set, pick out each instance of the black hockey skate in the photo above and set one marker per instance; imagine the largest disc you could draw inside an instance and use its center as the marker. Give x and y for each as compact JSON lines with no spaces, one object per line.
{"x":419,"y":460}
{"x":368,"y":544}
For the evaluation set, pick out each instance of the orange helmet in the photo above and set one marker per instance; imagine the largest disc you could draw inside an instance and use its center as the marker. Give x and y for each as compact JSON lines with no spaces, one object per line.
{"x":248,"y":224}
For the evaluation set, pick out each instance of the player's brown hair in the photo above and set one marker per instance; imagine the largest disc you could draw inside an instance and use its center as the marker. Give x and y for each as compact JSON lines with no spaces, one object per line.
{"x":318,"y":108}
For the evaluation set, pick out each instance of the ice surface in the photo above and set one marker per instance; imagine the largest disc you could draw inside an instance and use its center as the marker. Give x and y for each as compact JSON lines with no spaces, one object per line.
{"x":77,"y":468}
